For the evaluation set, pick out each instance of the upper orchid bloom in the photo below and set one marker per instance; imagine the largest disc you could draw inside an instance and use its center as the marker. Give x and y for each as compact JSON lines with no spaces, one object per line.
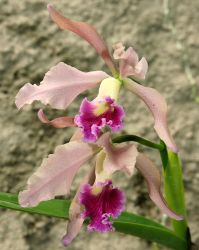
{"x":63,"y":83}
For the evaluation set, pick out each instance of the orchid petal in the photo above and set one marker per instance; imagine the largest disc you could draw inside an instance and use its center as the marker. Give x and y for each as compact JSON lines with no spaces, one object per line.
{"x":77,"y":136}
{"x":56,"y":173}
{"x":60,"y":122}
{"x":85,"y":31}
{"x":158,"y":107}
{"x":118,"y":158}
{"x":130,"y":56}
{"x":118,"y":50}
{"x":141,"y":68}
{"x":153,"y":179}
{"x":74,"y":226}
{"x":59,"y":87}
{"x":75,"y":211}
{"x":128,"y":62}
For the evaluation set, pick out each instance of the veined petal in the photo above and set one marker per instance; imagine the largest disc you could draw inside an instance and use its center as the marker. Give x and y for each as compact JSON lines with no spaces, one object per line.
{"x":158,"y":107}
{"x":59,"y":87}
{"x":85,"y":31}
{"x":56,"y":173}
{"x":153,"y":179}
{"x":60,"y":122}
{"x":118,"y":157}
{"x":75,"y":211}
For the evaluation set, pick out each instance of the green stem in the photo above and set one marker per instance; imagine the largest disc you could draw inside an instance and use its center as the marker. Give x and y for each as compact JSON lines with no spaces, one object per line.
{"x":174,"y":190}
{"x":125,"y":138}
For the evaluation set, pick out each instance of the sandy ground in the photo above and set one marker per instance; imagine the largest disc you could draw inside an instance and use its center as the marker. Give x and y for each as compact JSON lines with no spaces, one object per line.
{"x":165,"y":32}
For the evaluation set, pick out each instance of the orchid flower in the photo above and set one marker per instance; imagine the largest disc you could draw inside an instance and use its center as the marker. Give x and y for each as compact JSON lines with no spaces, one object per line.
{"x":96,"y":198}
{"x":63,"y":83}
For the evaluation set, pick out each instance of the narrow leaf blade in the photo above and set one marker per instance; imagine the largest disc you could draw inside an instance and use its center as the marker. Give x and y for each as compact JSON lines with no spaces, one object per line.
{"x":54,"y":208}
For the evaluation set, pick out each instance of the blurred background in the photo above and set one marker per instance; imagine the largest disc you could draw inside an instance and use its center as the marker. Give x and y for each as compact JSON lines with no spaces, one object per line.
{"x":165,"y":32}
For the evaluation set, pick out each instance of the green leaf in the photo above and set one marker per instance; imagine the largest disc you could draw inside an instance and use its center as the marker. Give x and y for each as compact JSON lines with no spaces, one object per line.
{"x":127,"y":223}
{"x":55,"y":208}
{"x":174,"y":191}
{"x":149,"y":230}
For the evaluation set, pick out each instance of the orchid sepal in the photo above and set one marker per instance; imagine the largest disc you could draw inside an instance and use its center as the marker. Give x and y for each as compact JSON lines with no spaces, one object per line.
{"x":60,"y":122}
{"x":152,"y":176}
{"x":85,"y":31}
{"x":158,"y":107}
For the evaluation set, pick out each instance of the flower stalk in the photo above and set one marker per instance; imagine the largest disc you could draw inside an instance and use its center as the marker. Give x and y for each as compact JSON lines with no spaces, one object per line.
{"x":125,"y":138}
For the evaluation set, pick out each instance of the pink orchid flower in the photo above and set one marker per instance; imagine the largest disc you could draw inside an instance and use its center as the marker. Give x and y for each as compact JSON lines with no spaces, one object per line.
{"x":63,"y":83}
{"x":96,"y":197}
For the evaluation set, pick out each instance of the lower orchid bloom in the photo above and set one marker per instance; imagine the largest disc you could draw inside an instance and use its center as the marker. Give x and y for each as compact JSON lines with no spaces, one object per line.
{"x":96,"y":198}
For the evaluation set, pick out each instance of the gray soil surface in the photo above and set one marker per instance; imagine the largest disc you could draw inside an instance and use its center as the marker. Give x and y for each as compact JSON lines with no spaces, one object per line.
{"x":165,"y":32}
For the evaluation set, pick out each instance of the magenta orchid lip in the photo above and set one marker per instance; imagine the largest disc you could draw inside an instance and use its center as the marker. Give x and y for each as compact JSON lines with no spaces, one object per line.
{"x":101,"y":205}
{"x":92,"y":124}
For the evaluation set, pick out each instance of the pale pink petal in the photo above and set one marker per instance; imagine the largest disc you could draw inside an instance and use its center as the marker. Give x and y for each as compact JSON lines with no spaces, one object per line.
{"x":85,"y":31}
{"x":77,"y":136}
{"x":60,"y":122}
{"x":56,"y":173}
{"x":130,"y":56}
{"x":73,"y":227}
{"x":128,"y":62}
{"x":127,"y":58}
{"x":59,"y":87}
{"x":141,"y":68}
{"x":120,"y":157}
{"x":75,"y":218}
{"x":118,"y":50}
{"x":158,"y":107}
{"x":153,"y":179}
